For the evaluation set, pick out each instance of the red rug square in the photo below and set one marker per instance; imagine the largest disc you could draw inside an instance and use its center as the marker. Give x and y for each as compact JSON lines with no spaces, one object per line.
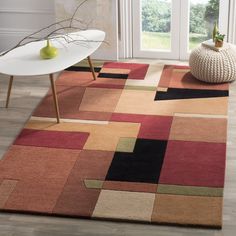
{"x":53,"y":139}
{"x":194,"y":164}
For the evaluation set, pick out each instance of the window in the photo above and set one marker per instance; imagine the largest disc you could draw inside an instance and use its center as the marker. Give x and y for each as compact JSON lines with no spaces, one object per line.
{"x":170,"y":29}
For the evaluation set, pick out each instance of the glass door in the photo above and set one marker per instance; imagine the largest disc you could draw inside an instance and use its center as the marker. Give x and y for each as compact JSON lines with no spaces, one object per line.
{"x":170,"y":29}
{"x":197,"y":19}
{"x":156,"y":24}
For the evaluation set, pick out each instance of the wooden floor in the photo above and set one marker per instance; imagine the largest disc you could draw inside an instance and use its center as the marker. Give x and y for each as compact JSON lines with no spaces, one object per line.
{"x":26,"y":94}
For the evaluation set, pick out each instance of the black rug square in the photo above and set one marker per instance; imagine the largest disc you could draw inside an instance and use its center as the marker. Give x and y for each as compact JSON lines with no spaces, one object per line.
{"x":113,"y":76}
{"x":143,"y":165}
{"x":176,"y":93}
{"x":83,"y":69}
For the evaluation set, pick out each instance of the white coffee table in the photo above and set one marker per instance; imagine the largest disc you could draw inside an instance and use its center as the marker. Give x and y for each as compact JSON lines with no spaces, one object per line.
{"x":25,"y":60}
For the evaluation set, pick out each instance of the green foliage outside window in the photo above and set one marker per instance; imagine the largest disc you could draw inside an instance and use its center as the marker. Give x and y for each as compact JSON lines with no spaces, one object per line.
{"x":156,"y":16}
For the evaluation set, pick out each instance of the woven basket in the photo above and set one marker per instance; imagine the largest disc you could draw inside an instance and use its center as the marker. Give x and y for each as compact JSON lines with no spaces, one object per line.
{"x":213,"y":67}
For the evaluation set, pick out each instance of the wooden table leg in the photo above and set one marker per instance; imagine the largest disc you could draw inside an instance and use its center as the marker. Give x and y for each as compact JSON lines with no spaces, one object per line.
{"x":92,"y":68}
{"x":54,"y":93}
{"x":9,"y":91}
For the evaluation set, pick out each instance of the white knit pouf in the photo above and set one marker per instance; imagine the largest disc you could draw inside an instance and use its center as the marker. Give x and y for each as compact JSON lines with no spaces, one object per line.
{"x":212,"y":66}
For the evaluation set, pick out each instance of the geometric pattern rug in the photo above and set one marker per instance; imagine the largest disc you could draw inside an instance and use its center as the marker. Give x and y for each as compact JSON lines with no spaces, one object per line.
{"x":143,"y":143}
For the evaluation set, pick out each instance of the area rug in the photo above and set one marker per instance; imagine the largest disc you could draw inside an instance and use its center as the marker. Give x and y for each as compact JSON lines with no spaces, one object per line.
{"x":143,"y":143}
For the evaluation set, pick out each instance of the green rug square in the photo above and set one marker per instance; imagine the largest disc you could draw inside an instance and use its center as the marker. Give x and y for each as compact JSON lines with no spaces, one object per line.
{"x":126,"y":145}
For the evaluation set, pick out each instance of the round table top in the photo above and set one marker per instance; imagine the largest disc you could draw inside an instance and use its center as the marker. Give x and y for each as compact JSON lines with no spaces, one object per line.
{"x":26,"y":61}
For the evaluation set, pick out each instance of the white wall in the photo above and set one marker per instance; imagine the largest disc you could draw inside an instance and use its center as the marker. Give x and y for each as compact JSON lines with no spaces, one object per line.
{"x":19,"y":18}
{"x":232,"y":21}
{"x":102,"y":14}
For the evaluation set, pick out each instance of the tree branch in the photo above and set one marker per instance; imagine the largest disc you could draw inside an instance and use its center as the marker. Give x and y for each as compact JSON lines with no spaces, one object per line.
{"x":76,"y":10}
